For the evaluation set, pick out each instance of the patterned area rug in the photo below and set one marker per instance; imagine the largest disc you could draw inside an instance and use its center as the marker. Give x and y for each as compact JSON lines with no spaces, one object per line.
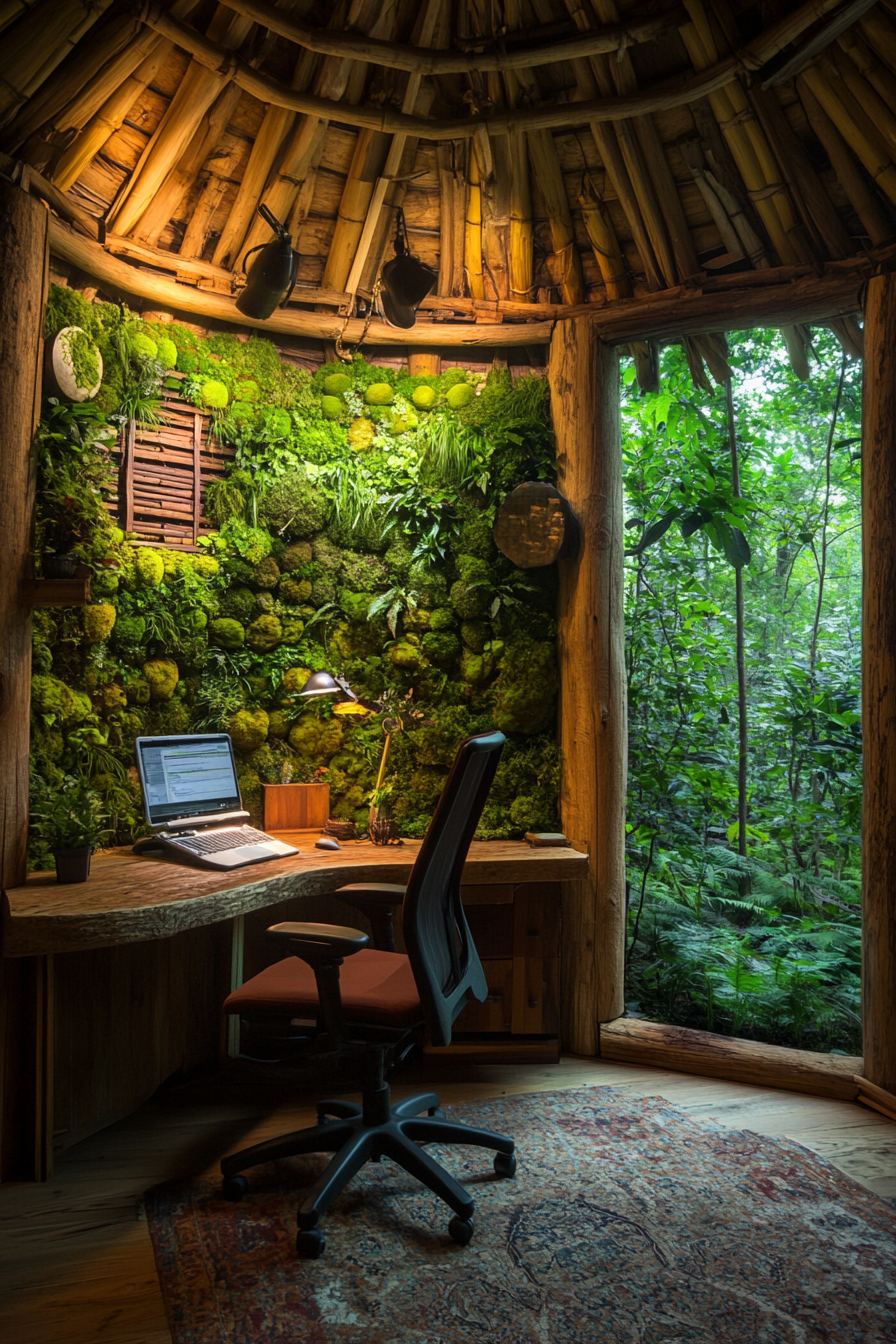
{"x":627,"y":1222}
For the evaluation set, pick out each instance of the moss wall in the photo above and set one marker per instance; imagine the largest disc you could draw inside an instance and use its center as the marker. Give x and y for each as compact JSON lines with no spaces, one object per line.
{"x":354,"y":535}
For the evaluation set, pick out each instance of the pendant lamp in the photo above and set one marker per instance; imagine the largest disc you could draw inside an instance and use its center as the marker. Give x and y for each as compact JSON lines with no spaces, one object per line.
{"x":404,"y":281}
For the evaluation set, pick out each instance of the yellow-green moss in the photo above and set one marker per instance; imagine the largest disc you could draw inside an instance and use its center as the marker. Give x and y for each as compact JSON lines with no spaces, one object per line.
{"x":99,"y":618}
{"x":163,"y":676}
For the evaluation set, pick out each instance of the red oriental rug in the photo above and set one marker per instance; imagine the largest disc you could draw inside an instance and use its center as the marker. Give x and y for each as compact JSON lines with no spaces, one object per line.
{"x":627,"y":1222}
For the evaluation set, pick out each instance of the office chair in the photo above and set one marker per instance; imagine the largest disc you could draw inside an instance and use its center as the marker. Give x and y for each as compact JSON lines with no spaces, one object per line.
{"x":377,"y":1009}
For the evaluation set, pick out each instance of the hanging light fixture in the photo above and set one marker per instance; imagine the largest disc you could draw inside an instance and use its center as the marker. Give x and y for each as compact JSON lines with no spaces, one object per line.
{"x":404,"y":281}
{"x":273,"y":274}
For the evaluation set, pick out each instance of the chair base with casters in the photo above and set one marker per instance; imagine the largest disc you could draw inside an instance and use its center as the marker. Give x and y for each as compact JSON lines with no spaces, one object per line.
{"x":360,"y":1134}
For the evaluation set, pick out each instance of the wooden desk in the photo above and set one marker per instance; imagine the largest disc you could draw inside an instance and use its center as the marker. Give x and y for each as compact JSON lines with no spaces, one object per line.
{"x":115,"y":985}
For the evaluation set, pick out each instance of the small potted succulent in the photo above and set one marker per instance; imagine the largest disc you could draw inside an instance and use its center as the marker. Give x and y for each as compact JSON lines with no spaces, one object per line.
{"x":70,"y":820}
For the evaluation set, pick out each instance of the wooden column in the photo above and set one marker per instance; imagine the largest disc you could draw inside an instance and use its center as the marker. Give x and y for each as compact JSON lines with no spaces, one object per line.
{"x":879,"y":684}
{"x":584,"y":378}
{"x":424,"y":361}
{"x":23,"y":267}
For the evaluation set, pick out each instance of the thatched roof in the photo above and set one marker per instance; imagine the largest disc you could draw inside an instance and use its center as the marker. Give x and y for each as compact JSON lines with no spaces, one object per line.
{"x":547,"y":154}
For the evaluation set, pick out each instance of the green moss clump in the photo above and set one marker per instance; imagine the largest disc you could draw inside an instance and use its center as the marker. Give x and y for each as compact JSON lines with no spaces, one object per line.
{"x":361,"y":434}
{"x":355,"y":605}
{"x":143,"y":346}
{"x":424,"y":398}
{"x":278,"y":725}
{"x":84,"y":357}
{"x":129,"y":631}
{"x":247,"y":390}
{"x":293,"y":506}
{"x":293,"y":629}
{"x":469,"y":601}
{"x":335,"y":384}
{"x":41,"y":659}
{"x":226,"y":633}
{"x":526,"y":688}
{"x":417,"y":619}
{"x":187,"y":361}
{"x":295,"y":557}
{"x":406,"y":656}
{"x":267,"y":574}
{"x":475,"y":634}
{"x":295,"y":590}
{"x":363,"y":573}
{"x":149,"y":567}
{"x":294,"y":679}
{"x":49,"y":695}
{"x":443,"y":618}
{"x":398,"y":557}
{"x":238,"y":604}
{"x":476,"y":667}
{"x":459,"y":396}
{"x":428,"y":585}
{"x":214,"y":395}
{"x":323,"y":590}
{"x":137,"y":689}
{"x":167,"y":353}
{"x":379,"y":394}
{"x":111,"y":698}
{"x":320,"y":739}
{"x":476,"y":537}
{"x":99,"y":619}
{"x":452,"y":378}
{"x":163,"y":676}
{"x":440,"y":648}
{"x":332,"y":408}
{"x":264,"y":634}
{"x":248,"y":729}
{"x":204,"y":565}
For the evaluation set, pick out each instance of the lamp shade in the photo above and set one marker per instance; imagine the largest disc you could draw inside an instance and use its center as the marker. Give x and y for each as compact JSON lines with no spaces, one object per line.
{"x":321,"y":683}
{"x":405,"y":283}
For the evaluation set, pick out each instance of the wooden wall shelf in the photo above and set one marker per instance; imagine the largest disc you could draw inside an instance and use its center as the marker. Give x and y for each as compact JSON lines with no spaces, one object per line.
{"x":60,"y":592}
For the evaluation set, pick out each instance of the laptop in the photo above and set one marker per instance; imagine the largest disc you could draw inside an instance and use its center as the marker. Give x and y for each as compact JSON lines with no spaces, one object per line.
{"x":192,"y":802}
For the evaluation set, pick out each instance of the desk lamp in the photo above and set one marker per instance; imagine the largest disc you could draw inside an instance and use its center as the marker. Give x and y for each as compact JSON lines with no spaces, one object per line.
{"x":323,"y":683}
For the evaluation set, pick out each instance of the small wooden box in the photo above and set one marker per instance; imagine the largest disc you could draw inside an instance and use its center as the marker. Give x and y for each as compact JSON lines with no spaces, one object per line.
{"x":296,"y":807}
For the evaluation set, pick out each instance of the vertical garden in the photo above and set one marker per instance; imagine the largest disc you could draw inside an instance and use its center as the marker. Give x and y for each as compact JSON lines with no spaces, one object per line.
{"x":745,"y":892}
{"x":353,"y":533}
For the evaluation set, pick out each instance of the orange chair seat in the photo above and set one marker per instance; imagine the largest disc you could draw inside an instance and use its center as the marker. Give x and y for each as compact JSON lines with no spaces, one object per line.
{"x":377,"y":987}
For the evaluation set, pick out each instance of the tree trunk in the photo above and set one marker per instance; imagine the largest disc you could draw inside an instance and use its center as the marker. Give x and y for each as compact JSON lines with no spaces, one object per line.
{"x":584,"y":376}
{"x":23,"y":264}
{"x":739,"y":635}
{"x":879,"y":684}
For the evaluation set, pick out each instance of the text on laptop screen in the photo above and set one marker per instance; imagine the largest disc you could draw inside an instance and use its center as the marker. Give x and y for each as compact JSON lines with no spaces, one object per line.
{"x":187,"y":777}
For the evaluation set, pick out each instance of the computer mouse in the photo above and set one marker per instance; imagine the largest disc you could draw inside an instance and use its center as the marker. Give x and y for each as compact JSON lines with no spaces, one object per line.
{"x":326,"y":842}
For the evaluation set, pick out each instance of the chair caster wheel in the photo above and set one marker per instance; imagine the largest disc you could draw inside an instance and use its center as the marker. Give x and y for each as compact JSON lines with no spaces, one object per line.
{"x":234,"y":1188}
{"x":461,"y":1229}
{"x":505,"y":1164}
{"x":436,"y":1113}
{"x":310,"y":1244}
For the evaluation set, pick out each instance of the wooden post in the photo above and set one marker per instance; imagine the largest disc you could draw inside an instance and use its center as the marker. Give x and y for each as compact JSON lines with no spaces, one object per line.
{"x":584,"y":378}
{"x":197,"y":475}
{"x":879,"y":684}
{"x":424,"y":361}
{"x":23,"y":265}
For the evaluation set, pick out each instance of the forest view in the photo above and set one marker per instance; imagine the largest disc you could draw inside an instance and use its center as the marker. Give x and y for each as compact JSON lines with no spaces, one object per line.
{"x":744,"y":809}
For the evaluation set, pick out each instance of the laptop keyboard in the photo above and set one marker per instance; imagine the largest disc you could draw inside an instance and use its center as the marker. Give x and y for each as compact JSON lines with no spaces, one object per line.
{"x":214,"y":843}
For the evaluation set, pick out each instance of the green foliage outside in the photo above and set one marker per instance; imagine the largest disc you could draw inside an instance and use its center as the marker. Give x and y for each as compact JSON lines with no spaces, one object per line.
{"x":355,"y":539}
{"x":767,"y":945}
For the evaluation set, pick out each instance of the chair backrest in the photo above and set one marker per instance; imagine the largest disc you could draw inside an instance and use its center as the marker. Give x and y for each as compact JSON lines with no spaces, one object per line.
{"x":442,"y":953}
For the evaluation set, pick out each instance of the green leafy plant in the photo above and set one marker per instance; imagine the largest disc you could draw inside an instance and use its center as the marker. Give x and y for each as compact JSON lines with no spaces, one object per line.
{"x":70,"y":817}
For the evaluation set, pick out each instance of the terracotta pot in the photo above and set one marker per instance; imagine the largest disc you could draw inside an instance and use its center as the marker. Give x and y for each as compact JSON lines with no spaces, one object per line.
{"x":72,"y":865}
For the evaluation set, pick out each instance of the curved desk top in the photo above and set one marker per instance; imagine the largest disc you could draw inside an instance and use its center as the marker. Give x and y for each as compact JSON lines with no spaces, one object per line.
{"x":132,"y":899}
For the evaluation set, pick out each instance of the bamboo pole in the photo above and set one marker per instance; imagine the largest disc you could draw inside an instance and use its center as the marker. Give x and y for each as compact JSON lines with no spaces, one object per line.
{"x":473,"y":227}
{"x":168,"y":199}
{"x":584,"y":380}
{"x":880,"y":34}
{"x":857,"y":130}
{"x":870,"y":101}
{"x":862,"y":199}
{"x":879,"y":76}
{"x":604,"y":243}
{"x":196,"y":93}
{"x":108,"y":118}
{"x":330,"y":86}
{"x":609,"y":39}
{"x":366,"y":167}
{"x":10,"y":10}
{"x":564,"y":261}
{"x":451,"y":159}
{"x":79,"y":70}
{"x":879,"y":684}
{"x":216,"y":173}
{"x":38,"y":43}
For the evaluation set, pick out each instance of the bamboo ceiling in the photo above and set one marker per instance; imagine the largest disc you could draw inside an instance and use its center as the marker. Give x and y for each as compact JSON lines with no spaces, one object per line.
{"x":547,"y":154}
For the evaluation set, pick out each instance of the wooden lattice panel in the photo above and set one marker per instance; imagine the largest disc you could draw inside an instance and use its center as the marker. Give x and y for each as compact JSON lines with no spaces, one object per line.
{"x":163,"y":472}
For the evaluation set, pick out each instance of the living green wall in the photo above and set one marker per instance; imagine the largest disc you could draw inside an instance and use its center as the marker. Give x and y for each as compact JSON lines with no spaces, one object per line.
{"x":354,"y":534}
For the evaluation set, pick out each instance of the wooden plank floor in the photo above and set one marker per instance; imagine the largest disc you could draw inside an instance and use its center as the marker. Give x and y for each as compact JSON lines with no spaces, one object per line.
{"x":76,"y":1263}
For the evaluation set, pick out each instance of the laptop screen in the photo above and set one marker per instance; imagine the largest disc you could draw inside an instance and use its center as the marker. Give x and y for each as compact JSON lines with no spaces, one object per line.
{"x":187,"y":777}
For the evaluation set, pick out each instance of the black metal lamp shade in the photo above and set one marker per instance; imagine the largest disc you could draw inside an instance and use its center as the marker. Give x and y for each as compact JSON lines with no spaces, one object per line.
{"x":273,"y":272}
{"x":404,"y":281}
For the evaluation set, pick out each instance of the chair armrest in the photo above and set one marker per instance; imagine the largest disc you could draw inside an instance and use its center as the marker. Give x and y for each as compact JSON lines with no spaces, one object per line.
{"x":320,"y":941}
{"x":323,"y":947}
{"x":377,"y":900}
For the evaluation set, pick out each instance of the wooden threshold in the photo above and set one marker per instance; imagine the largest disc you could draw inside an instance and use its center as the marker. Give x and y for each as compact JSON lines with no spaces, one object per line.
{"x":633,"y":1041}
{"x":498,"y":1050}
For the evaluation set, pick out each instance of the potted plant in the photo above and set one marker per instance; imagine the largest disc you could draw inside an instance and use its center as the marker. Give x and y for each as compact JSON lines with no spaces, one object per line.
{"x":70,"y":820}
